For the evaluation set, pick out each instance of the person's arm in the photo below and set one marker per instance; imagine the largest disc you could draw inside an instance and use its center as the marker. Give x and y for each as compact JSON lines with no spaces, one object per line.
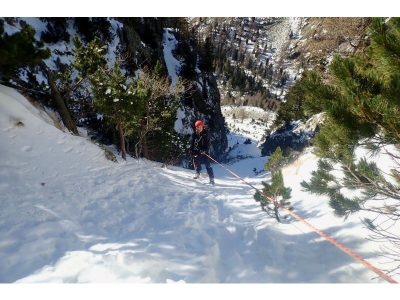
{"x":206,"y":145}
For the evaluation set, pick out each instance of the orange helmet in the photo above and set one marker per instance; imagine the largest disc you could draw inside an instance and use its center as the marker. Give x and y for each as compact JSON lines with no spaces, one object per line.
{"x":198,"y":123}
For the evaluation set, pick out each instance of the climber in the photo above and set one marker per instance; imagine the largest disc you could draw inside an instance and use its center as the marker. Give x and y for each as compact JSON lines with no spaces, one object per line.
{"x":200,"y":150}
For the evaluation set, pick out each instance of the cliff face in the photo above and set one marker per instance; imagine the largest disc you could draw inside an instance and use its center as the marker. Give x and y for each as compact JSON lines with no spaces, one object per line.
{"x":183,"y":58}
{"x":207,"y":106}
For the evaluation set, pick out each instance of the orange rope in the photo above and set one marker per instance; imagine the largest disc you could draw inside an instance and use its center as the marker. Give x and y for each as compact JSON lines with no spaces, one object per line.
{"x":323,"y":234}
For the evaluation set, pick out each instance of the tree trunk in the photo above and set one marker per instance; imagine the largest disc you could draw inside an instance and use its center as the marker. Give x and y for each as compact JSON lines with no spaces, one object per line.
{"x":145,"y":147}
{"x":276,"y":212}
{"x":122,"y":140}
{"x":60,"y":103}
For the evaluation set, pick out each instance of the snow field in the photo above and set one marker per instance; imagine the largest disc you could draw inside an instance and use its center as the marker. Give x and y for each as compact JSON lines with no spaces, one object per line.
{"x":69,"y":215}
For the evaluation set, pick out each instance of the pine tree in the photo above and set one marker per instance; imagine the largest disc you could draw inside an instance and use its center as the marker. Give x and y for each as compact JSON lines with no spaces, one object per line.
{"x":142,"y":110}
{"x":89,"y":57}
{"x":19,"y":50}
{"x":157,"y":137}
{"x":120,"y":102}
{"x":360,"y":99}
{"x":275,"y":190}
{"x":119,"y":99}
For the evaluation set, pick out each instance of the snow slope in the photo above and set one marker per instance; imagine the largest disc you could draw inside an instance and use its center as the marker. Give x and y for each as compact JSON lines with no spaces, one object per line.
{"x":69,"y":215}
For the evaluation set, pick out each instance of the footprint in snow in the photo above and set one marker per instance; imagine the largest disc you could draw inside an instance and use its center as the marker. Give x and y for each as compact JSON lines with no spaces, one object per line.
{"x":26,"y":148}
{"x":7,"y":129}
{"x":69,"y":149}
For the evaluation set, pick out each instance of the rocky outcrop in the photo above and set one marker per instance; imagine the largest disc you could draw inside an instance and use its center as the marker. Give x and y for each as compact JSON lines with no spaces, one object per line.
{"x":294,"y":136}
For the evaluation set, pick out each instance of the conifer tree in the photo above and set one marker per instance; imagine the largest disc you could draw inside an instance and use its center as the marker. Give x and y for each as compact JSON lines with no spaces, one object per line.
{"x":89,"y":57}
{"x":19,"y":50}
{"x":361,"y":100}
{"x":275,"y":190}
{"x":161,"y":101}
{"x":143,"y":110}
{"x":119,"y":100}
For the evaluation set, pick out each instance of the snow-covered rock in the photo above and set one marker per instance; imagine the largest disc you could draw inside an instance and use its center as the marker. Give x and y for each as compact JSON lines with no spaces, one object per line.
{"x":293,"y":136}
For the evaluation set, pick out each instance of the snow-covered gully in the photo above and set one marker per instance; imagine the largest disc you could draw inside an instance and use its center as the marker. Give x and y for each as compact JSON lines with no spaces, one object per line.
{"x":69,"y":215}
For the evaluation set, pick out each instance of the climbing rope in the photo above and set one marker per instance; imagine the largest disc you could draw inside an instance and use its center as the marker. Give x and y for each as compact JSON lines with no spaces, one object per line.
{"x":321,"y":233}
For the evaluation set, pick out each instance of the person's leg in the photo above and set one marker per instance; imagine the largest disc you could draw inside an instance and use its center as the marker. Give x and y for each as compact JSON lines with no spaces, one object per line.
{"x":210,"y":171}
{"x":197,"y":165}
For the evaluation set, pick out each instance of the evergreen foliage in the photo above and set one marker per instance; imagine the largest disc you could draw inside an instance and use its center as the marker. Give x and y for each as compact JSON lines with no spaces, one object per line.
{"x":276,"y":189}
{"x":275,"y":162}
{"x":119,"y":100}
{"x":88,"y":95}
{"x":292,"y":108}
{"x":360,"y":96}
{"x":157,"y":137}
{"x":143,"y":110}
{"x":88,"y":58}
{"x":237,"y":79}
{"x":19,"y":50}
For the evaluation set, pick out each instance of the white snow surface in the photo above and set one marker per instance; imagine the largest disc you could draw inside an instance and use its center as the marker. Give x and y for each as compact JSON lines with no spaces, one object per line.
{"x":169,"y":45}
{"x":179,"y":125}
{"x":248,"y":122}
{"x":113,"y":46}
{"x":10,"y":29}
{"x":173,"y":68}
{"x":69,"y":215}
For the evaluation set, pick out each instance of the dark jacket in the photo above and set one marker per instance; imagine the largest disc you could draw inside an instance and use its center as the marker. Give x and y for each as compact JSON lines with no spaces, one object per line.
{"x":200,"y":143}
